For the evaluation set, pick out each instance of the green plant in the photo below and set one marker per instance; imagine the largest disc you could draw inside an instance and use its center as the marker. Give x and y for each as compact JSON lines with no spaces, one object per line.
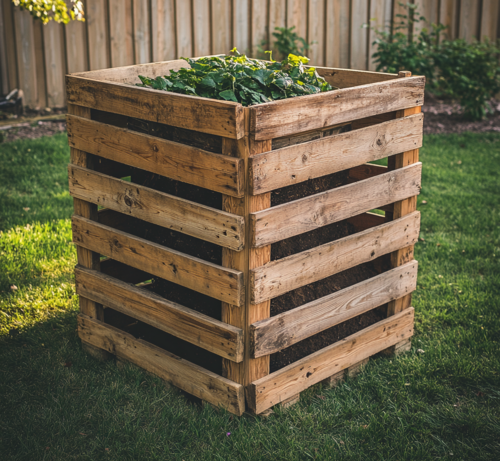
{"x":455,"y":69}
{"x":52,"y":10}
{"x":241,"y":79}
{"x":287,"y":42}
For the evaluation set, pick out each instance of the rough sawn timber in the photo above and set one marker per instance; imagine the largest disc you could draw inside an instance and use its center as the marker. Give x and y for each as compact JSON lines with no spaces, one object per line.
{"x":292,"y":165}
{"x":181,"y":162}
{"x":309,"y":213}
{"x":180,"y":321}
{"x":222,"y":118}
{"x":286,"y":274}
{"x":298,"y":376}
{"x":185,"y":375}
{"x":283,"y":330}
{"x":216,"y":281}
{"x":200,"y":221}
{"x":281,"y":118}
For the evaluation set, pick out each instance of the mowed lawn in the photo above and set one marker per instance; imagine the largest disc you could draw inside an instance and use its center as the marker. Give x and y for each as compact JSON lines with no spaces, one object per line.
{"x":439,"y":401}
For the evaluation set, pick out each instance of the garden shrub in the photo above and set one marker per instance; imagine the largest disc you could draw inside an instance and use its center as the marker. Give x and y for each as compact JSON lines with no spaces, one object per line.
{"x":454,"y":69}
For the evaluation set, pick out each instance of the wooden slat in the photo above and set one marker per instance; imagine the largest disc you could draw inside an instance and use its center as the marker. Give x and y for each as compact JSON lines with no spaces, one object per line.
{"x":316,"y":31}
{"x":177,"y":371}
{"x":163,"y":35}
{"x":259,"y":29}
{"x":296,"y":377}
{"x":201,"y":29}
{"x":281,"y":118}
{"x":303,"y":215}
{"x":295,"y":164}
{"x":380,"y":19}
{"x":346,"y":78}
{"x":429,"y":9}
{"x":76,"y":47}
{"x":167,"y":158}
{"x":4,"y":74}
{"x":194,"y":273}
{"x":276,"y":333}
{"x":359,"y":34}
{"x":241,"y":26}
{"x":448,"y":11}
{"x":184,"y":32}
{"x":221,"y":26}
{"x":173,"y":318}
{"x":338,"y":33}
{"x":54,"y":64}
{"x":287,"y":274}
{"x":296,"y":11}
{"x":250,"y":369}
{"x":25,"y":47}
{"x":142,"y":40}
{"x":277,"y":18}
{"x":40,"y":64}
{"x":221,"y":118}
{"x":489,"y":20}
{"x":11,"y":45}
{"x":121,"y":33}
{"x":469,"y":19}
{"x":200,"y":221}
{"x":96,"y":18}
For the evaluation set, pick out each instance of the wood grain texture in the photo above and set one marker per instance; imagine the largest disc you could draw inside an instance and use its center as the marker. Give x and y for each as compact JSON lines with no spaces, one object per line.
{"x":142,"y":39}
{"x":259,"y":28}
{"x":10,"y":52}
{"x":327,"y":155}
{"x":346,"y":78}
{"x":221,"y":26}
{"x":194,"y":273}
{"x":468,"y":27}
{"x":173,"y":369}
{"x":4,"y":74}
{"x":250,"y":369}
{"x":54,"y":64}
{"x":241,"y":26}
{"x":448,"y":11}
{"x":203,"y":222}
{"x":173,"y":318}
{"x":121,"y":33}
{"x":184,"y":29}
{"x":489,"y":19}
{"x":76,"y":47}
{"x":337,"y":33}
{"x":309,"y":213}
{"x":200,"y":114}
{"x":278,"y":277}
{"x":271,"y":335}
{"x":380,"y":19}
{"x":167,"y":158}
{"x":316,"y":32}
{"x":281,"y":118}
{"x":96,"y":17}
{"x":201,"y":29}
{"x":296,"y":377}
{"x":359,"y":34}
{"x":87,"y":210}
{"x":296,"y":15}
{"x":163,"y":36}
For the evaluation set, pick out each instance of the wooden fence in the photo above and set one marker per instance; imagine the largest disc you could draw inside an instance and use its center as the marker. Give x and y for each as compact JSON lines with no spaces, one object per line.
{"x":35,"y":58}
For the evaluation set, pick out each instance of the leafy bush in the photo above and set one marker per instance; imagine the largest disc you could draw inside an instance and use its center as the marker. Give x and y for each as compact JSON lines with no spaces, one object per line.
{"x":56,"y":10}
{"x":455,"y":69}
{"x":241,"y":79}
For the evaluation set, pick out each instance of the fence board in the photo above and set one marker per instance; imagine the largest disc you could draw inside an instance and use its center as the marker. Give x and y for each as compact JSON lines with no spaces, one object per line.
{"x":41,"y":86}
{"x":120,"y":33}
{"x":163,"y":30}
{"x":448,"y":15}
{"x":4,"y":76}
{"x":380,"y":19}
{"x":316,"y":32}
{"x":296,"y":15}
{"x":259,"y":26}
{"x":184,"y":29}
{"x":10,"y":50}
{"x":489,"y":19}
{"x":469,"y":19}
{"x":96,"y":17}
{"x":241,"y":31}
{"x":221,"y":26}
{"x":201,"y":28}
{"x":429,"y":9}
{"x":54,"y":64}
{"x":142,"y":42}
{"x":359,"y":34}
{"x":277,"y":18}
{"x":76,"y":47}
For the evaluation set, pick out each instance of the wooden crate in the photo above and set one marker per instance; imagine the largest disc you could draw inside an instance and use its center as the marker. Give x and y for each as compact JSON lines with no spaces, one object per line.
{"x":243,"y":154}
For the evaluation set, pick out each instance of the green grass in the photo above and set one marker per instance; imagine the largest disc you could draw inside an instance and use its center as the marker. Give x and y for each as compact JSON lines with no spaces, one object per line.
{"x":439,"y":401}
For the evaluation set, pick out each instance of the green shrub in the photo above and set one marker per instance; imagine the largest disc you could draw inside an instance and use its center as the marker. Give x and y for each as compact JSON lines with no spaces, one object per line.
{"x":454,"y":69}
{"x":241,"y":79}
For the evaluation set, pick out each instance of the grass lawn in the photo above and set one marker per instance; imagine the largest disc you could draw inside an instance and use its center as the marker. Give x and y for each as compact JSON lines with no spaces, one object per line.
{"x":439,"y":401}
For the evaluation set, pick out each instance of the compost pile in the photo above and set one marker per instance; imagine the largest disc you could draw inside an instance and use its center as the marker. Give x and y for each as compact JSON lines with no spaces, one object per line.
{"x":241,"y":79}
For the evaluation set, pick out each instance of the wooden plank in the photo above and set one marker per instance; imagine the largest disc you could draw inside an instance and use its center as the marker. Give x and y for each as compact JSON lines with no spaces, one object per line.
{"x":337,"y":33}
{"x":296,"y":377}
{"x":250,"y":369}
{"x":469,"y":19}
{"x":448,"y":15}
{"x":96,"y":18}
{"x":55,"y":65}
{"x":142,"y":42}
{"x":296,"y":15}
{"x":200,"y":221}
{"x":4,"y":74}
{"x":123,"y":272}
{"x":277,"y":18}
{"x":281,"y":118}
{"x":346,"y":78}
{"x":303,"y":215}
{"x":316,"y":33}
{"x":173,"y":318}
{"x":76,"y":47}
{"x":40,"y":64}
{"x":26,"y":62}
{"x":283,"y":330}
{"x":221,"y":26}
{"x":281,"y":276}
{"x":184,"y":29}
{"x":221,"y":118}
{"x":429,"y":9}
{"x":201,"y":27}
{"x":359,"y":34}
{"x":298,"y":163}
{"x":85,"y":257}
{"x":194,"y":273}
{"x":121,"y":33}
{"x":259,"y":28}
{"x":489,"y":20}
{"x":380,"y":19}
{"x":11,"y":45}
{"x":163,"y":30}
{"x":177,"y":371}
{"x":167,"y":158}
{"x":241,"y":26}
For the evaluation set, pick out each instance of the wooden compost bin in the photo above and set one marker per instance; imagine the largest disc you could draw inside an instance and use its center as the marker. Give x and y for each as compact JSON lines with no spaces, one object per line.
{"x":239,"y":157}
